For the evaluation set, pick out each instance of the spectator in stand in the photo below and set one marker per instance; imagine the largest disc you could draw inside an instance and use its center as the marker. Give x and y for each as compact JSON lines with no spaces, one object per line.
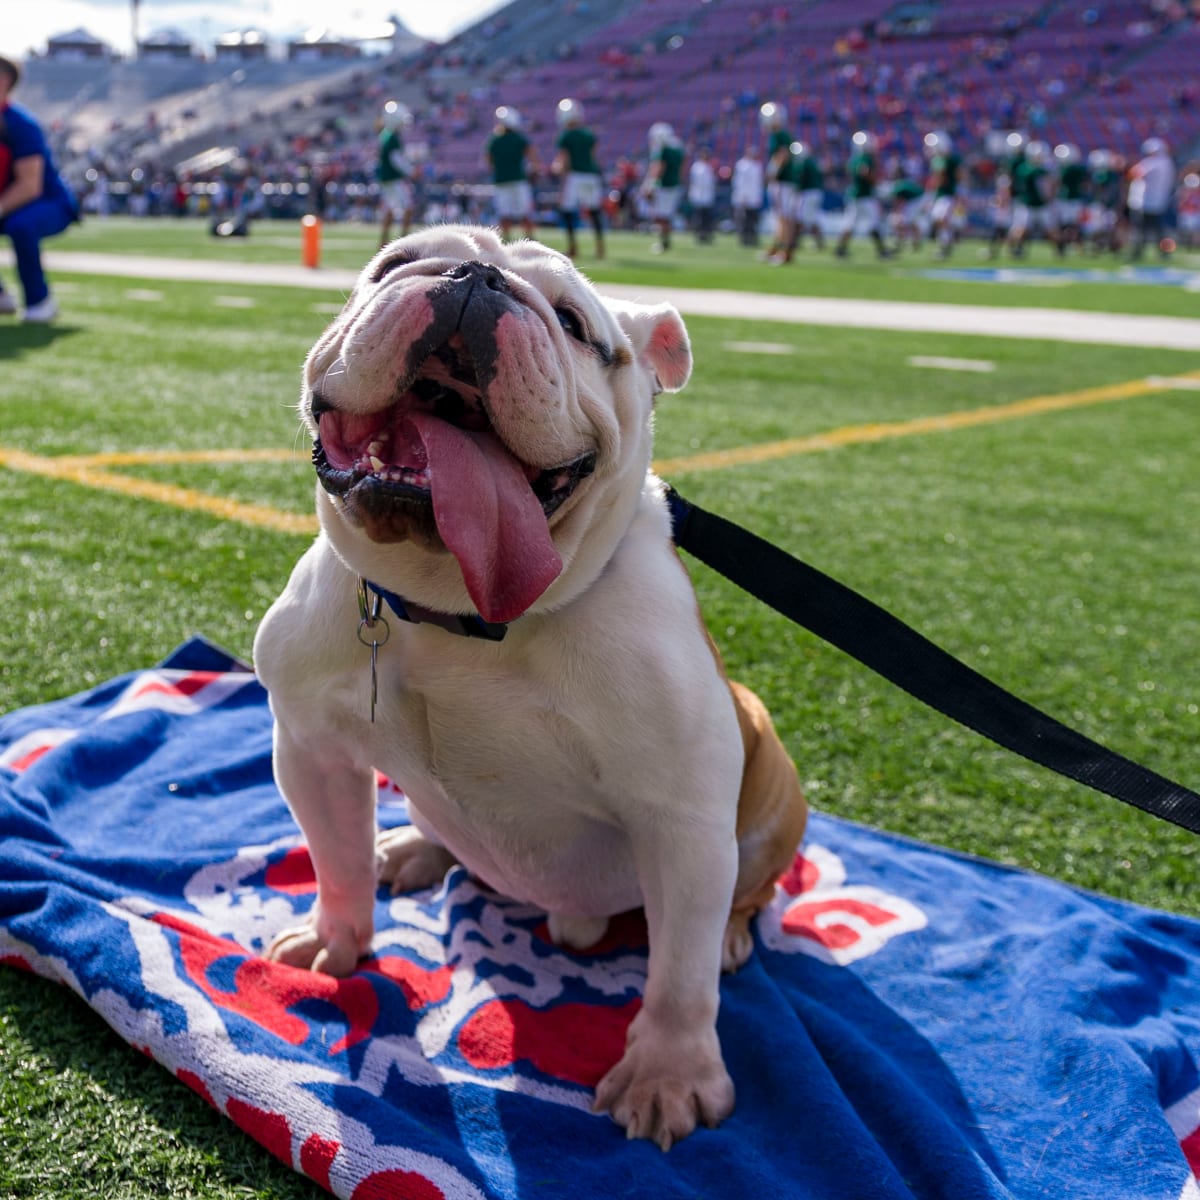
{"x":702,"y":195}
{"x":397,"y":197}
{"x":512,"y":158}
{"x":749,"y":191}
{"x":575,"y":163}
{"x":35,"y":203}
{"x":663,"y":183}
{"x":1151,"y":188}
{"x":862,"y":204}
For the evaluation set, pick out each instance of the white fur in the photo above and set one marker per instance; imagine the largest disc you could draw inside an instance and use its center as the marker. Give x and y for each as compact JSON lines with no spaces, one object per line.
{"x":590,"y":763}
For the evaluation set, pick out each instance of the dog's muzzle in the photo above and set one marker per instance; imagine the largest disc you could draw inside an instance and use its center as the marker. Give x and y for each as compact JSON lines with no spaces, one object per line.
{"x":431,"y":463}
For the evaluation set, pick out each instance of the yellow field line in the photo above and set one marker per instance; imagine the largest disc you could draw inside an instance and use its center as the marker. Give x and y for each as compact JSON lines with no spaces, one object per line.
{"x":853,"y":435}
{"x":162,"y":493}
{"x":87,"y":469}
{"x":130,"y":458}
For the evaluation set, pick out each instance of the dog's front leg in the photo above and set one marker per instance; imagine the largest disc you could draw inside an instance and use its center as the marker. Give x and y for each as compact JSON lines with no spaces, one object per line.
{"x":333,"y":800}
{"x":672,"y":1075}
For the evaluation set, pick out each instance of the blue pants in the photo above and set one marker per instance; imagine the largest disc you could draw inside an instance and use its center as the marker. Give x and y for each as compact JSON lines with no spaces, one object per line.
{"x":26,"y":228}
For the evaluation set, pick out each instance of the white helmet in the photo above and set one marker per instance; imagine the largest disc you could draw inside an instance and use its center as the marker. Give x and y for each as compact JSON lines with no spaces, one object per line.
{"x":771,"y":115}
{"x":1067,"y":153}
{"x":1154,"y":145}
{"x":1016,"y":141}
{"x":996,"y":143}
{"x":798,"y":149}
{"x":509,"y":117}
{"x":569,"y":112}
{"x":938,"y":142}
{"x":1038,"y":153}
{"x":864,"y":141}
{"x":661,"y":134}
{"x":396,"y":115}
{"x":1100,"y":160}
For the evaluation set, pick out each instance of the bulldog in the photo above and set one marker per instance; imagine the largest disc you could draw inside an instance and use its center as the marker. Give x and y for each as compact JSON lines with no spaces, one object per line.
{"x":495,"y":616}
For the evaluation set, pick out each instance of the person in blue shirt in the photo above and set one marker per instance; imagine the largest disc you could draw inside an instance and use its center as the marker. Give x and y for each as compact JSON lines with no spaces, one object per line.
{"x":35,"y":203}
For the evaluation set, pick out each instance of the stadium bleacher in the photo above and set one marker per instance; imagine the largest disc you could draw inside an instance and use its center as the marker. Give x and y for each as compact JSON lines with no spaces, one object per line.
{"x":1107,"y":73}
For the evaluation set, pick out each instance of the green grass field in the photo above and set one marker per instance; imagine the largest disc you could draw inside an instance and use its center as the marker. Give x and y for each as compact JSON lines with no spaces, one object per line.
{"x":1058,"y":552}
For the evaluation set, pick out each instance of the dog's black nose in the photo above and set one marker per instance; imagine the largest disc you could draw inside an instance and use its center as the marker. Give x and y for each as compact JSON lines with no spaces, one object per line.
{"x":485,"y":273}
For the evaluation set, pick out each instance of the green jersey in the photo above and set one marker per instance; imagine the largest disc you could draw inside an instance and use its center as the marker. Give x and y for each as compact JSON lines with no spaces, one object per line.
{"x":671,"y":157}
{"x":807,"y":173}
{"x":946,"y":167}
{"x":861,"y":170}
{"x":1072,"y":183}
{"x":391,"y":152}
{"x":506,"y":152}
{"x":580,"y":146}
{"x":907,"y":189}
{"x":779,"y":140}
{"x":1028,"y":186}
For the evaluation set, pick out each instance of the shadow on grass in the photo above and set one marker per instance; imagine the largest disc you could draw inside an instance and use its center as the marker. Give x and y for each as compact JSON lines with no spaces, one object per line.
{"x":134,"y":1129}
{"x":16,"y":340}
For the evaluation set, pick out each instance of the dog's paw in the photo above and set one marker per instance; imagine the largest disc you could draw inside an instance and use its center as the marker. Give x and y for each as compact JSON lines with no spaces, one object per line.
{"x":738,"y":943}
{"x":579,"y":933}
{"x":662,"y":1089}
{"x":407,"y":861}
{"x":335,"y":952}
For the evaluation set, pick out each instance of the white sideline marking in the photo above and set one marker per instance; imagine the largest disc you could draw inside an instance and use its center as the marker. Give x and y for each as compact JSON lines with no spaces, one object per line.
{"x":1175,"y":382}
{"x":760,"y":347}
{"x":235,"y":302}
{"x":937,"y":362}
{"x":146,"y":294}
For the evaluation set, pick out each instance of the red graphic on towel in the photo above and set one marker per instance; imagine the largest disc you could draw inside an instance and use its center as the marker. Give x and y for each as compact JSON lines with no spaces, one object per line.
{"x":293,"y":873}
{"x":815,"y":912}
{"x":316,"y":1159}
{"x":804,"y":920}
{"x":397,"y":1185}
{"x":574,"y":1042}
{"x":266,"y":1128}
{"x":265,"y":992}
{"x":187,"y":684}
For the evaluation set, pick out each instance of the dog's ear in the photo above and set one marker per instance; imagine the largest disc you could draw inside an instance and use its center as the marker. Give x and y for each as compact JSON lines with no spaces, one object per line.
{"x":660,"y":341}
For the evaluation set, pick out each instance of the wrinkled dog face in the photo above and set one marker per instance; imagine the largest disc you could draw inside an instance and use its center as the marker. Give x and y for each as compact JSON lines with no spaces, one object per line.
{"x":477,"y":403}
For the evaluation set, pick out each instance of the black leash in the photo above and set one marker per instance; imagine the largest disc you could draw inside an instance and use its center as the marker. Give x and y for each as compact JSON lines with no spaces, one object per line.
{"x":904,"y":657}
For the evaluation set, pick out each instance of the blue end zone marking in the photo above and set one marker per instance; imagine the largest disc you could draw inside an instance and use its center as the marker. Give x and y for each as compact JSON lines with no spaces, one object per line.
{"x":1153,"y":276}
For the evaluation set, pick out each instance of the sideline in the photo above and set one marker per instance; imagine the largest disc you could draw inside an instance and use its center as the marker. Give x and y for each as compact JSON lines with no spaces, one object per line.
{"x":1044,"y":324}
{"x":88,"y":470}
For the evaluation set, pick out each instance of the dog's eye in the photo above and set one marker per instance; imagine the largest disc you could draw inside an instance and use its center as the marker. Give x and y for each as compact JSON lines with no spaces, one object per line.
{"x":569,"y":319}
{"x":392,"y":264}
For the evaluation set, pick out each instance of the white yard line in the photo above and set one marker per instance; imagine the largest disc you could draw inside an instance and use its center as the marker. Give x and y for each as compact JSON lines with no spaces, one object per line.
{"x":937,"y":362}
{"x":1046,"y":324}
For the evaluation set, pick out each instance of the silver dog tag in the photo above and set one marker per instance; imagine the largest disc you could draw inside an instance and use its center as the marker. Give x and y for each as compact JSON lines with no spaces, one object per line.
{"x":373,"y":631}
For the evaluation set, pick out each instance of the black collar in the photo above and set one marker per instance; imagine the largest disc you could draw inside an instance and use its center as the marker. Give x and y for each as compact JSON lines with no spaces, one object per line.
{"x":473,"y":626}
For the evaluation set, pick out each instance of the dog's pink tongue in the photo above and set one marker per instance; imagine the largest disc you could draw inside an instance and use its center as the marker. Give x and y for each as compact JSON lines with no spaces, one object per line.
{"x":488,"y":517}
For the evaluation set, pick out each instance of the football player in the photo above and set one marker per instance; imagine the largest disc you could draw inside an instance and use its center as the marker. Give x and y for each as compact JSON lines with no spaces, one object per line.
{"x":862,"y":204}
{"x":582,"y":183}
{"x":664,"y":181}
{"x":397,"y":197}
{"x":512,"y":158}
{"x":945,"y":166}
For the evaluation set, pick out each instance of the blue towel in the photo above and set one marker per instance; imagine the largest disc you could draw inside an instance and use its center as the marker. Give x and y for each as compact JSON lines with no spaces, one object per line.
{"x":913,"y":1023}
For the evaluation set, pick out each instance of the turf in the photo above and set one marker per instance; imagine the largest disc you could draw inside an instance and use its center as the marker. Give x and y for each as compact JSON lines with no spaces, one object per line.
{"x":722,"y":265}
{"x":1057,"y":553}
